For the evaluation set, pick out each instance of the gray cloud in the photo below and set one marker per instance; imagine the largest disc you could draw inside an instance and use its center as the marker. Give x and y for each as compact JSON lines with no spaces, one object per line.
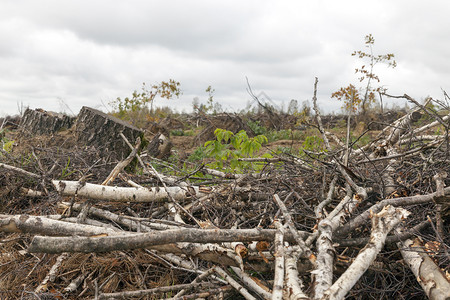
{"x":90,"y":52}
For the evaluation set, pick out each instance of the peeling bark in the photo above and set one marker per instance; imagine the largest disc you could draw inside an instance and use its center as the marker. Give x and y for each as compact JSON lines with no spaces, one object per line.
{"x":124,"y":194}
{"x":429,"y":276}
{"x":323,"y":274}
{"x":43,"y":225}
{"x":294,"y":284}
{"x":382,"y":224}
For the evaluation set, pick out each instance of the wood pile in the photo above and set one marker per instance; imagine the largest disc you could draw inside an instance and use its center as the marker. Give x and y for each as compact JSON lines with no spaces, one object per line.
{"x":360,"y":223}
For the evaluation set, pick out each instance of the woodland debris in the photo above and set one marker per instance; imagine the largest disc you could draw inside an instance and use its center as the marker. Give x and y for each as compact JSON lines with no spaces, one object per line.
{"x":282,"y":231}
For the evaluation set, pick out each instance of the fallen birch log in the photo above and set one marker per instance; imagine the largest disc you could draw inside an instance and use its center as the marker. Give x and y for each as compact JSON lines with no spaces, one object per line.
{"x":294,"y":284}
{"x":46,"y":226}
{"x":278,"y":280}
{"x":126,"y":194}
{"x":143,"y":240}
{"x":428,"y":274}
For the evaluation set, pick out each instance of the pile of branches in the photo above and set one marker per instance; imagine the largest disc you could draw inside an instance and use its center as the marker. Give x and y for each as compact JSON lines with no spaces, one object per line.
{"x":364,"y":223}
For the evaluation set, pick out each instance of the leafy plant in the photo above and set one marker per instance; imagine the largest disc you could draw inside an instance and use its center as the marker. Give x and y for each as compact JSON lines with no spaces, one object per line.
{"x":66,"y":171}
{"x":313,"y":143}
{"x":177,"y":132}
{"x":229,"y":147}
{"x":211,"y":106}
{"x":7,"y":144}
{"x":256,"y":127}
{"x":198,"y":155}
{"x":304,"y":115}
{"x":351,"y":97}
{"x":355,"y":99}
{"x":124,"y":108}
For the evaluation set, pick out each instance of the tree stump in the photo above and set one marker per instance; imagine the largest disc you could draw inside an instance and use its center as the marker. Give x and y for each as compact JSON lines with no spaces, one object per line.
{"x":95,"y":128}
{"x":39,"y":122}
{"x":159,"y":146}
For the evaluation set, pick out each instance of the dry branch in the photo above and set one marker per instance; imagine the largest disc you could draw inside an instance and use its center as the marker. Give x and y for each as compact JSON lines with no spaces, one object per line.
{"x":402,"y":201}
{"x":234,"y":283}
{"x":19,"y":170}
{"x":158,"y":290}
{"x":123,"y":164}
{"x":254,"y":285}
{"x":51,"y":274}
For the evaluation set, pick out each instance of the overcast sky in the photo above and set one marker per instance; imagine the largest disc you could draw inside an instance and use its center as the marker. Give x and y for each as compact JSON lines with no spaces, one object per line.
{"x":60,"y":55}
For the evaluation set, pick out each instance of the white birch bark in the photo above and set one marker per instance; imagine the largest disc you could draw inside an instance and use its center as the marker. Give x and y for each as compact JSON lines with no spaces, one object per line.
{"x":43,"y":225}
{"x":294,"y":284}
{"x":382,"y":224}
{"x":415,"y":132}
{"x":427,"y":273}
{"x":323,"y":274}
{"x":278,"y":282}
{"x":403,"y":201}
{"x":143,"y":224}
{"x":263,"y":292}
{"x":124,"y":194}
{"x":143,"y":240}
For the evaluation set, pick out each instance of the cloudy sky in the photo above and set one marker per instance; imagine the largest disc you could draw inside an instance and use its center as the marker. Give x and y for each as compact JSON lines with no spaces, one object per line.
{"x":60,"y":55}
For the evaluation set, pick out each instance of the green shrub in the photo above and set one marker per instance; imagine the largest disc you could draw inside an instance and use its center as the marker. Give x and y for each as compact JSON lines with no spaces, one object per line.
{"x":313,"y":143}
{"x":229,"y":148}
{"x":256,"y":127}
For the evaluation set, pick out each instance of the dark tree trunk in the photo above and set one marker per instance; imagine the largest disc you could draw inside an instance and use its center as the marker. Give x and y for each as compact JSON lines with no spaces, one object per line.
{"x":39,"y":121}
{"x":95,"y":128}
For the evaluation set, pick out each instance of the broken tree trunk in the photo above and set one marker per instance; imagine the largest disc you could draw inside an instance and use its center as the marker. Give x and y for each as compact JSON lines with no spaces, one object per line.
{"x":95,"y":128}
{"x":39,"y":121}
{"x":159,"y":146}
